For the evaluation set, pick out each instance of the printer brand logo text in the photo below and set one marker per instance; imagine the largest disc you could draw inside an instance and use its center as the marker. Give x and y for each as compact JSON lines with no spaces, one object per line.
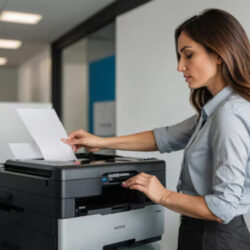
{"x":119,"y":227}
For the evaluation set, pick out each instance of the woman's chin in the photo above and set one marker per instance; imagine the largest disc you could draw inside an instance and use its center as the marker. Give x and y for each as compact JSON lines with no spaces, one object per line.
{"x":193,"y":85}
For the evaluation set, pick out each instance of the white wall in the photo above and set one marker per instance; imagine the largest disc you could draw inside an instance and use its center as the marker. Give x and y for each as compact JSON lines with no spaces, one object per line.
{"x":76,"y":60}
{"x":75,"y":87}
{"x":8,"y":84}
{"x":150,"y":91}
{"x":34,"y":78}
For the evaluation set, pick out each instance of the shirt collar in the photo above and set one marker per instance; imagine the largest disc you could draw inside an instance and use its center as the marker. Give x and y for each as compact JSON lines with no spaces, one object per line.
{"x":210,"y":107}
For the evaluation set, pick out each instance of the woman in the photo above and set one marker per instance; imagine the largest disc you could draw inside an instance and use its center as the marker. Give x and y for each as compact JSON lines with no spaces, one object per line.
{"x":213,"y":54}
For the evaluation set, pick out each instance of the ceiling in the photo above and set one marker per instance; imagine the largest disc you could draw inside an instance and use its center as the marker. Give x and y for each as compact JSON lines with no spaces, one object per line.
{"x":59,"y":16}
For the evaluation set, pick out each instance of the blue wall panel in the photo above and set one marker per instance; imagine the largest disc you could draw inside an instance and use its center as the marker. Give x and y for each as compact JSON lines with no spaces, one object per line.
{"x":101,"y":84}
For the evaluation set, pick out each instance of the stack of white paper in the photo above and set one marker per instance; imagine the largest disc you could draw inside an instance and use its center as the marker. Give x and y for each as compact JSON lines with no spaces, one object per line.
{"x":47,"y":131}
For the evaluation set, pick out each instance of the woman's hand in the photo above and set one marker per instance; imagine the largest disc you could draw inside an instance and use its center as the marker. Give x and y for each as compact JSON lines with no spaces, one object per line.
{"x":81,"y":138}
{"x":147,"y":184}
{"x":192,"y":206}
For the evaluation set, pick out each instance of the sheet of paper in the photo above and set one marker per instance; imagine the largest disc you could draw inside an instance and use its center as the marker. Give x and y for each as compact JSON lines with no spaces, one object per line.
{"x":47,"y":131}
{"x":25,"y":151}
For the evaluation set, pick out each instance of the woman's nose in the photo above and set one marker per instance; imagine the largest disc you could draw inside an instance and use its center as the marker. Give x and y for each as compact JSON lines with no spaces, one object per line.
{"x":181,"y":66}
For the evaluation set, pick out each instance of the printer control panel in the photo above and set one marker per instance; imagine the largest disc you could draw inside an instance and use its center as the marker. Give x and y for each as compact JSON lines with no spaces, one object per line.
{"x":117,"y":178}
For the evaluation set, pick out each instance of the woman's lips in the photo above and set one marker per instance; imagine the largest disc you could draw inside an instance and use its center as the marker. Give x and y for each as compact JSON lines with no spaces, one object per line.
{"x":187,"y":78}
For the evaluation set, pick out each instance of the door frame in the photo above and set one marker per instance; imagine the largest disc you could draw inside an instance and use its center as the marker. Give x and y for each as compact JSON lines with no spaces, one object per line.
{"x":99,"y":20}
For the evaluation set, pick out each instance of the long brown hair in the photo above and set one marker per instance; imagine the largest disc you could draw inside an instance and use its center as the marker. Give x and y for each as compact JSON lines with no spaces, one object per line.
{"x":220,"y":33}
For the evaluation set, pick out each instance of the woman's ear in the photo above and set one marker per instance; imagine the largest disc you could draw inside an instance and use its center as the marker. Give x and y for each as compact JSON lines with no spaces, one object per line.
{"x":219,"y":60}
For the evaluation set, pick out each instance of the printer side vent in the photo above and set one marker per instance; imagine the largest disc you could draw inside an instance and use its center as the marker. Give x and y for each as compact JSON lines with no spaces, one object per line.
{"x":28,"y":170}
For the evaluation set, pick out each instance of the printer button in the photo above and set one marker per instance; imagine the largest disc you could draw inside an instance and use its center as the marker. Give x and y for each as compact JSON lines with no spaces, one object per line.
{"x":104,"y":179}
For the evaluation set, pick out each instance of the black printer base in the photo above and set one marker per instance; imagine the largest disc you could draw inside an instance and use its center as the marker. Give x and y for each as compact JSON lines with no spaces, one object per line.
{"x":18,"y":237}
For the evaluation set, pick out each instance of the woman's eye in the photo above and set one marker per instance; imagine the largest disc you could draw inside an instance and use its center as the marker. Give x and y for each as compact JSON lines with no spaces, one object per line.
{"x":189,"y":56}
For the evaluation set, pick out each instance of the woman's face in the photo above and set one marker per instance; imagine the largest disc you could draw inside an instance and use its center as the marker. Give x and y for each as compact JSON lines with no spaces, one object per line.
{"x":200,"y":68}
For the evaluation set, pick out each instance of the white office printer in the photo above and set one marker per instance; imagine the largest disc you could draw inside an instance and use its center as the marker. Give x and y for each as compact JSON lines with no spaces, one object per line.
{"x":49,"y":206}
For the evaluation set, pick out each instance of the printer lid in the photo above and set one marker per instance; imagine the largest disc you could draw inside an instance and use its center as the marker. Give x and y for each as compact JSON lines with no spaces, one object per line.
{"x":88,"y":165}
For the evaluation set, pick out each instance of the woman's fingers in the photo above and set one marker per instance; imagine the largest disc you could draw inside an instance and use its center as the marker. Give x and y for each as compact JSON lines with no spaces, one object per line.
{"x":148,"y":184}
{"x":76,"y":147}
{"x":76,"y":134}
{"x":90,"y":149}
{"x":138,"y":179}
{"x":137,"y":187}
{"x":75,"y":138}
{"x":81,"y":138}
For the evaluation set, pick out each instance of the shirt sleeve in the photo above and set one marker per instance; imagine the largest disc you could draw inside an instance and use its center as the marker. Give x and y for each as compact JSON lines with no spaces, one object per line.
{"x":175,"y":137}
{"x":230,"y":145}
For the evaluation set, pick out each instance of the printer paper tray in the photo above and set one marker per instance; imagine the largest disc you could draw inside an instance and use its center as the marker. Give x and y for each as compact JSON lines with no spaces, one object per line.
{"x":94,"y":232}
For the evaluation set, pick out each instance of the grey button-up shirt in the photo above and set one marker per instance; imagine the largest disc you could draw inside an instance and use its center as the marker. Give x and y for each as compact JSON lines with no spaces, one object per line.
{"x":216,"y":161}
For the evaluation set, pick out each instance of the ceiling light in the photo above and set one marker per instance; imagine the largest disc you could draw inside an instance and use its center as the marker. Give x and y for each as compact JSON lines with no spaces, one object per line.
{"x":3,"y":60}
{"x":20,"y":17}
{"x":10,"y":44}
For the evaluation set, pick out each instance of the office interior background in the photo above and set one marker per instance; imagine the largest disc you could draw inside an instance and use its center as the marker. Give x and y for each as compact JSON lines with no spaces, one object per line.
{"x":127,"y":63}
